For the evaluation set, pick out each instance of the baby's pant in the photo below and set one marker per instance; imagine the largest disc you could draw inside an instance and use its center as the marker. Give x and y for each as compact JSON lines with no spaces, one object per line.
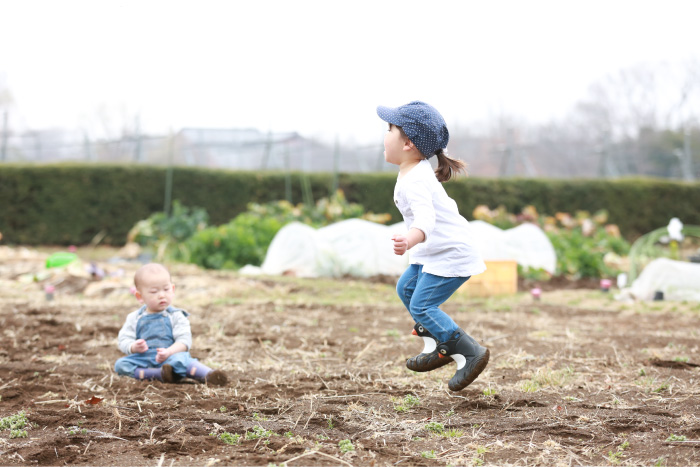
{"x":179,"y":361}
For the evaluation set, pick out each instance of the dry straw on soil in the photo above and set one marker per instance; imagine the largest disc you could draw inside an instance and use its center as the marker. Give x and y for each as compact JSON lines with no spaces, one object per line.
{"x":318,"y":377}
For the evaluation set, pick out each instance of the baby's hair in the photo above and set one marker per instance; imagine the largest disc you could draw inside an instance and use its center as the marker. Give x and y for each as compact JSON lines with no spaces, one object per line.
{"x":147,"y":269}
{"x":447,"y":166}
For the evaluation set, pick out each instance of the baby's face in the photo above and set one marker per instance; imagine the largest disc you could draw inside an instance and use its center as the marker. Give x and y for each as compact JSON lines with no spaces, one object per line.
{"x":156,"y":291}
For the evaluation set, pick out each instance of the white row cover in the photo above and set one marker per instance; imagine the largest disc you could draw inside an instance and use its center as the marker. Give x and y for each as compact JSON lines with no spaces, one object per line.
{"x":527,"y":244}
{"x":361,"y":248}
{"x":354,"y":247}
{"x":678,"y":280}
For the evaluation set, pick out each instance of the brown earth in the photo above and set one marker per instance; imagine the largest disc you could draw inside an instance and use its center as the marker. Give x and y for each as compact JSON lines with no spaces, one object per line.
{"x":576,"y":378}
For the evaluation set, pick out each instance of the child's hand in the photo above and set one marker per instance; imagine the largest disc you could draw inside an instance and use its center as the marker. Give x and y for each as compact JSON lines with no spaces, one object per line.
{"x":139,"y":346}
{"x":162,"y":354}
{"x":400,"y":244}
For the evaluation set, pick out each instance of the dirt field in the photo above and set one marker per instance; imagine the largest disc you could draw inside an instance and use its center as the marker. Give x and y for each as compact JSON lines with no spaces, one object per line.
{"x":318,"y":377}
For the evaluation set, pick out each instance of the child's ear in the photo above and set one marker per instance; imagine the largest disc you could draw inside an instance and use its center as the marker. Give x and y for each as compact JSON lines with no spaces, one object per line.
{"x":138,"y":296}
{"x":408,"y":145}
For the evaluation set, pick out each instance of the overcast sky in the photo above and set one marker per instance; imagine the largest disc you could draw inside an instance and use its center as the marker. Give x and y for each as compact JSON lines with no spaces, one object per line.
{"x":322,"y":67}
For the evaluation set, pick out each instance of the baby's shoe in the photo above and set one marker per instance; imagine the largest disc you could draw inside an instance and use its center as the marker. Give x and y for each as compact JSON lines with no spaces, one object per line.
{"x":203,"y":373}
{"x":471,"y":358}
{"x":429,"y":359}
{"x":165,"y":374}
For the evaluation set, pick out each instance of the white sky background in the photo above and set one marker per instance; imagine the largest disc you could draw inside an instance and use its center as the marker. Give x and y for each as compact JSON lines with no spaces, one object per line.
{"x":322,"y":67}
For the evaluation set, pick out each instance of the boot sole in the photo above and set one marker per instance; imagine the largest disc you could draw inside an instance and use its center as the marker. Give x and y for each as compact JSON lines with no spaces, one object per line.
{"x":427,"y":362}
{"x":476,"y":371}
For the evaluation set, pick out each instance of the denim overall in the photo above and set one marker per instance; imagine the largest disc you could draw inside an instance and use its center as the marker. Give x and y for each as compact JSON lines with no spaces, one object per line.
{"x":157,"y":330}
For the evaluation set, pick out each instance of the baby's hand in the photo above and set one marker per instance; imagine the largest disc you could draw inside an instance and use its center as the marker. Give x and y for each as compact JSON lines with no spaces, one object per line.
{"x":162,"y":355}
{"x":400,"y":244}
{"x":139,"y":346}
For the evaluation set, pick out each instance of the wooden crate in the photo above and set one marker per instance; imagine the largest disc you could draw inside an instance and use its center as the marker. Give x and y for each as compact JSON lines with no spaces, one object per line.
{"x":500,"y":278}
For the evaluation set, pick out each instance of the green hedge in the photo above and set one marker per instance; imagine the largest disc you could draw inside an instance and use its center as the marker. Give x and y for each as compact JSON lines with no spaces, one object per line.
{"x":64,"y":204}
{"x":636,"y":205}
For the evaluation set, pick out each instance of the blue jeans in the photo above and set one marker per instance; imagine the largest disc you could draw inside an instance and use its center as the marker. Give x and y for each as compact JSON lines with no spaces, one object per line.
{"x":126,"y":365}
{"x":422,"y":293}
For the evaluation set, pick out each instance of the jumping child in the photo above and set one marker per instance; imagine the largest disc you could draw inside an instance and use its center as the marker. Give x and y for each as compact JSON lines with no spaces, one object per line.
{"x":442,"y":255}
{"x":157,"y":337}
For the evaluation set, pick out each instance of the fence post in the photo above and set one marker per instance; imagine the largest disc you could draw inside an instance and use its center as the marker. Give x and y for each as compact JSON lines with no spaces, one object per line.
{"x":3,"y":145}
{"x":287,"y":174}
{"x":266,"y":151}
{"x":687,"y":165}
{"x":37,"y":146}
{"x":169,"y":177}
{"x":137,"y":146}
{"x":86,"y":147}
{"x":336,"y":166}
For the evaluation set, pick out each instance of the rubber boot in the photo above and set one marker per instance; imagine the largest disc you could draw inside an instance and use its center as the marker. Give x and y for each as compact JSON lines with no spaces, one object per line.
{"x":203,"y":373}
{"x":429,"y":359}
{"x":165,"y":374}
{"x":471,"y":358}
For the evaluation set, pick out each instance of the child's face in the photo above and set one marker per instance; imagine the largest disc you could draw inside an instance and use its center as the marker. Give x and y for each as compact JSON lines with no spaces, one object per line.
{"x":394,"y":144}
{"x":156,"y":291}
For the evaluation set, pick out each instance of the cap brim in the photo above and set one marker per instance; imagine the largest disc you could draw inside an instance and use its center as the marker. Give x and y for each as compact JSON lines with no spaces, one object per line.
{"x":388,"y":114}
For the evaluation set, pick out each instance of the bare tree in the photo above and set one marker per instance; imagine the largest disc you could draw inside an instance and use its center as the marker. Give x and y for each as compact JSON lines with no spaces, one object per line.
{"x":625,"y":114}
{"x":5,"y":102}
{"x":684,"y":115}
{"x":112,"y":135}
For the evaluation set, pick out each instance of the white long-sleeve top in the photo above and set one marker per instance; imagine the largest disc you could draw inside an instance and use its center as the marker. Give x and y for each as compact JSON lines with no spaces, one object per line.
{"x":448,"y":249}
{"x":182,"y":332}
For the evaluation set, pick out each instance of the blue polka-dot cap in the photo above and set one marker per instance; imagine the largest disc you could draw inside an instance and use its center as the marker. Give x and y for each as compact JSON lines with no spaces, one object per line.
{"x":422,"y":124}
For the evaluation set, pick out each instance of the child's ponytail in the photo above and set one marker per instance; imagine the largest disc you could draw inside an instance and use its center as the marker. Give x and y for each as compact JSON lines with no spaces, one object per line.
{"x":448,"y":167}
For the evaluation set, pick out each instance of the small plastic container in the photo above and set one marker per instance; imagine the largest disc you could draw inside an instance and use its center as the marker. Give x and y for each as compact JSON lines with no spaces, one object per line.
{"x":60,"y":259}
